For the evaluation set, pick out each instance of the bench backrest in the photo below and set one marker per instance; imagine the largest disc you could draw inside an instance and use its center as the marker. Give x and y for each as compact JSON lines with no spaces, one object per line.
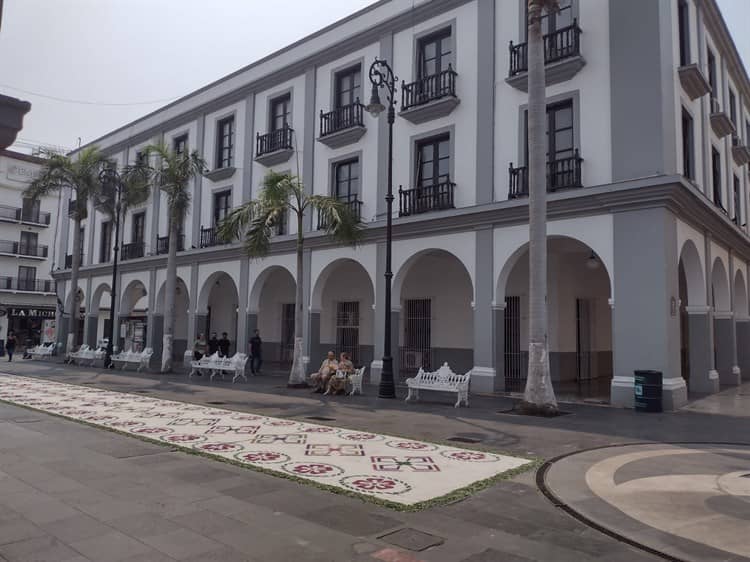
{"x":444,"y":376}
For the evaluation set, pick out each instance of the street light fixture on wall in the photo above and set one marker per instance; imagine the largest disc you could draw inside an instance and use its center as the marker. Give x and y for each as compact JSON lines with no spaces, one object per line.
{"x":381,"y":76}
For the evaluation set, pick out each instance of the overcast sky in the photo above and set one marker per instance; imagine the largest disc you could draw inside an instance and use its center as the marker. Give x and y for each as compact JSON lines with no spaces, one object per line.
{"x":133,"y":51}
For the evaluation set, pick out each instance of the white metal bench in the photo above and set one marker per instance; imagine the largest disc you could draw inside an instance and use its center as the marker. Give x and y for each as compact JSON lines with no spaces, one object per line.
{"x":81,"y":352}
{"x":356,"y":379}
{"x":140,"y":358}
{"x":88,"y":355}
{"x":42,"y":351}
{"x":219,"y":365}
{"x":443,"y":380}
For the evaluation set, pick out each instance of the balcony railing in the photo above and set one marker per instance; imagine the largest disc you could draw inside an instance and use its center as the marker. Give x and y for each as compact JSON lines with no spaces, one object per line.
{"x":561,"y":174}
{"x":162,"y":244}
{"x":354,"y":205}
{"x":17,"y":214}
{"x":31,"y":285}
{"x":427,"y":198}
{"x":132,"y":251}
{"x":21,"y":249}
{"x":429,"y":88}
{"x":280,"y":139}
{"x":558,"y":45}
{"x":210,"y":238}
{"x":342,"y":118}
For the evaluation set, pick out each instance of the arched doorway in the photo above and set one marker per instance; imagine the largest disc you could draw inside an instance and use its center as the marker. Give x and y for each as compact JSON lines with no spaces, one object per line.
{"x":181,"y":308}
{"x":742,"y":324}
{"x":272,"y":314}
{"x":133,"y":316}
{"x":344,"y":295}
{"x":75,"y":306}
{"x":692,"y":296}
{"x":218,"y":308}
{"x":435,"y":293}
{"x":579,"y":319}
{"x":100,"y":317}
{"x":724,"y":329}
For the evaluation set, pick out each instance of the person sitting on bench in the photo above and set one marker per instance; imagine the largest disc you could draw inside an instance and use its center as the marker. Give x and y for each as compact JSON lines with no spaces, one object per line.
{"x":327,"y":368}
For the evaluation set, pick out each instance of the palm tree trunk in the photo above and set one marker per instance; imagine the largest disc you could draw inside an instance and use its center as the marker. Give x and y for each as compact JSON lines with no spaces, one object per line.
{"x":70,"y":337}
{"x":169,"y":296}
{"x":539,"y":395}
{"x":297,"y":375}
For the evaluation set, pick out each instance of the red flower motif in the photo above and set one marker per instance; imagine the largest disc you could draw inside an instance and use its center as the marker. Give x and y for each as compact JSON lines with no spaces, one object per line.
{"x":281,"y":422}
{"x":261,"y":457}
{"x":183,"y":438}
{"x":313,"y":469}
{"x":409,"y":445}
{"x":150,"y":430}
{"x":318,"y":430}
{"x":360,"y":436}
{"x":218,"y":447}
{"x":467,"y":456}
{"x":374,"y":483}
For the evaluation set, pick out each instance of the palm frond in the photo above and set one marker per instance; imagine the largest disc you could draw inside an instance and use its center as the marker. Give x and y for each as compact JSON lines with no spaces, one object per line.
{"x":258,"y":234}
{"x":234,"y":225}
{"x":136,"y":185}
{"x":173,"y":174}
{"x":337,"y":219}
{"x":277,"y":189}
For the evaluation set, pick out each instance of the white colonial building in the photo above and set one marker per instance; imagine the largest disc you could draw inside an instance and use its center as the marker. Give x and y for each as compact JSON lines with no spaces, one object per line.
{"x":648,"y":121}
{"x":28,"y":230}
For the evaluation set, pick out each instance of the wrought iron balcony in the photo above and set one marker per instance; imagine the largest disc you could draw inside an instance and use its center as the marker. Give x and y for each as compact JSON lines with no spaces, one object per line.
{"x":30,"y":285}
{"x":16,"y":214}
{"x":162,"y":244}
{"x":132,"y":251}
{"x":274,"y":147}
{"x":352,"y":203}
{"x":558,"y":45}
{"x":429,"y":97}
{"x":209,"y":238}
{"x":561,"y":174}
{"x":32,"y":250}
{"x":342,"y":118}
{"x":426,"y":198}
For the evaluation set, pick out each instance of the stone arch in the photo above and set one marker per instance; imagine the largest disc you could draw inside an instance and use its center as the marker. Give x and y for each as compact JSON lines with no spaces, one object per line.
{"x":182,"y":293}
{"x":406,"y":267}
{"x":217,"y":278}
{"x":96,"y":298}
{"x":740,"y":295}
{"x":131,"y":294}
{"x":257,"y":288}
{"x":720,"y":287}
{"x":692,"y":267}
{"x":69,"y":300}
{"x":218,"y":307}
{"x":320,"y":283}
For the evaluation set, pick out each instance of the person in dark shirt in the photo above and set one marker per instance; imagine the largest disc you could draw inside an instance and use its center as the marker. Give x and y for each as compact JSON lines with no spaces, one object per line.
{"x":213,"y":344}
{"x":256,"y":353}
{"x":10,"y":344}
{"x":224,"y":345}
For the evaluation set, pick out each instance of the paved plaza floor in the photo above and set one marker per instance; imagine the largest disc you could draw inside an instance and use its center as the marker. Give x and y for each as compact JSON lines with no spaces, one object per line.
{"x":70,"y":491}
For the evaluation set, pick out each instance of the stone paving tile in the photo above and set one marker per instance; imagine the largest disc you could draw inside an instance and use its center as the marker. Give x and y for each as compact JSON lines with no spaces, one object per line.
{"x":143,"y":525}
{"x":182,"y":543}
{"x":39,"y":549}
{"x":225,"y":554}
{"x":76,"y":528}
{"x":209,"y":523}
{"x":355,"y":520}
{"x":112,"y":547}
{"x":492,"y":555}
{"x":18,"y":530}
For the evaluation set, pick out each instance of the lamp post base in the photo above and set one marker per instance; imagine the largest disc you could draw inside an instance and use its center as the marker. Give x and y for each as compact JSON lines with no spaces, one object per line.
{"x":387,"y":388}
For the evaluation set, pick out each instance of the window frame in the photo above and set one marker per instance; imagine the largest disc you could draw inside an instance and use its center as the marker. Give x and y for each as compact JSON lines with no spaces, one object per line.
{"x":27,"y":244}
{"x":25,"y":278}
{"x":273,"y":102}
{"x":434,"y":141}
{"x":737,"y":199}
{"x":138,"y":219}
{"x":733,"y":107}
{"x":711,"y":69}
{"x":575,"y":98}
{"x":683,"y":32}
{"x":523,"y":23}
{"x":351,"y":70}
{"x":105,"y":242}
{"x":688,"y":145}
{"x":442,"y":64}
{"x":415,"y":140}
{"x":225,"y":142}
{"x":336,"y":166}
{"x":178,"y":141}
{"x":716,"y":175}
{"x":216,"y":196}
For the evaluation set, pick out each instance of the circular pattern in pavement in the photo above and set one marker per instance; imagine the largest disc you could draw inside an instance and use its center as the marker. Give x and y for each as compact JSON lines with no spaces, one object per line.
{"x":682,"y":501}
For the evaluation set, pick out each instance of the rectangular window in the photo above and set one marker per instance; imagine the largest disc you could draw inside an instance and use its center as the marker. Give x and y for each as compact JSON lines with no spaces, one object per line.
{"x":180,"y":144}
{"x":347,"y":329}
{"x":30,"y":209}
{"x":716,"y":176}
{"x":555,"y":21}
{"x":712,"y":73}
{"x":348,"y":86}
{"x":434,"y":53}
{"x":222,"y":205}
{"x":346,"y":179}
{"x":683,"y":17}
{"x":139,"y":226}
{"x":559,"y":131}
{"x":688,"y":159}
{"x":280,"y":112}
{"x":737,"y":202}
{"x":26,"y":278}
{"x":433,"y":161}
{"x":105,"y":243}
{"x":225,"y":142}
{"x":733,"y":107}
{"x":141,"y":158}
{"x":747,"y":132}
{"x":28,"y":245}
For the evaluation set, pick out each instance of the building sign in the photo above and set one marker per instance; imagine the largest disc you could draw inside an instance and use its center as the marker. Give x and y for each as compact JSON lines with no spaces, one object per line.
{"x":26,"y":312}
{"x":22,"y":172}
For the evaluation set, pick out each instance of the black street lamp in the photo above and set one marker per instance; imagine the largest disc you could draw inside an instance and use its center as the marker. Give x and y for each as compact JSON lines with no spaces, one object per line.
{"x":111,"y":189}
{"x":381,"y":76}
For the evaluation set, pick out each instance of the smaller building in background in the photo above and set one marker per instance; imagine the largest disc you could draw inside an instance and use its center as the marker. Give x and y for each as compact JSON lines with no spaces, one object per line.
{"x":28,"y":231}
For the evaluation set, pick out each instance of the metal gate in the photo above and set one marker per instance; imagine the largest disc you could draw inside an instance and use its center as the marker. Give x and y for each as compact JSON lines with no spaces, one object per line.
{"x":583,"y":337}
{"x":286,"y":351}
{"x":417,"y":349}
{"x":347,"y":329}
{"x":516,"y":361}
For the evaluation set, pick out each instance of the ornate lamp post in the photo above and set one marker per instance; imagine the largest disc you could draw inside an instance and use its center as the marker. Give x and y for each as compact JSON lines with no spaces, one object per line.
{"x":111,"y":189}
{"x":381,"y":76}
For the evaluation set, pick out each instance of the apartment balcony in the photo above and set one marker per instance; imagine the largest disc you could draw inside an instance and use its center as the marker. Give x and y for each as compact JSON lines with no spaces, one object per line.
{"x":562,"y":58}
{"x":275,"y":147}
{"x":426,"y":198}
{"x":564,"y":173}
{"x":740,"y":151}
{"x":430,"y":97}
{"x":693,"y":81}
{"x":344,"y":125}
{"x":132,"y":251}
{"x":23,"y":250}
{"x":352,"y":203}
{"x":210,"y":238}
{"x":720,"y":121}
{"x":220,"y":174}
{"x":17,"y":214}
{"x":27,"y":285}
{"x":162,"y":244}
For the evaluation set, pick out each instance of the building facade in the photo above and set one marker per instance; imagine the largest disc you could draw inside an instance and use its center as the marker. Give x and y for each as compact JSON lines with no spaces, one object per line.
{"x":28,"y":303}
{"x":647,"y":173}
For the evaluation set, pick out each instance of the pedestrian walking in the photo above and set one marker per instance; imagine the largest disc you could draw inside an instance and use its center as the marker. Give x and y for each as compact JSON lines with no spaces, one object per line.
{"x":224,"y":345}
{"x":256,"y":353}
{"x":10,"y":344}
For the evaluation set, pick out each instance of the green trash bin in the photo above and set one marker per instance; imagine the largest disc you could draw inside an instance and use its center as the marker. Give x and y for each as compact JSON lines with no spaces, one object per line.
{"x":648,"y":386}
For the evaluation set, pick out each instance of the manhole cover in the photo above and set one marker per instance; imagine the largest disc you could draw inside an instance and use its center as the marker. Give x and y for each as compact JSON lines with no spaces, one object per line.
{"x":320,"y":418}
{"x":459,"y":439}
{"x":216,"y":403}
{"x":411,"y":539}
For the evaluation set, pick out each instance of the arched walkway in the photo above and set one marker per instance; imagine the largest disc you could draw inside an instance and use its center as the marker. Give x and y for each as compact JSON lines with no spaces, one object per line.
{"x":720,"y":287}
{"x":434,"y":292}
{"x":740,"y":296}
{"x":99,"y":315}
{"x":344,"y":296}
{"x":742,"y":324}
{"x":694,"y":330}
{"x":579,"y":319}
{"x":181,"y":319}
{"x":75,"y":307}
{"x":725,"y":338}
{"x":271,"y":307}
{"x":133,"y":316}
{"x":218,"y":310}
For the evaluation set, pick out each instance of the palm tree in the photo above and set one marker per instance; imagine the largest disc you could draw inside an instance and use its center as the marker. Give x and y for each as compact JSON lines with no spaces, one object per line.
{"x":256,"y":220}
{"x":81,"y":174}
{"x":173,"y":177}
{"x":539,"y":396}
